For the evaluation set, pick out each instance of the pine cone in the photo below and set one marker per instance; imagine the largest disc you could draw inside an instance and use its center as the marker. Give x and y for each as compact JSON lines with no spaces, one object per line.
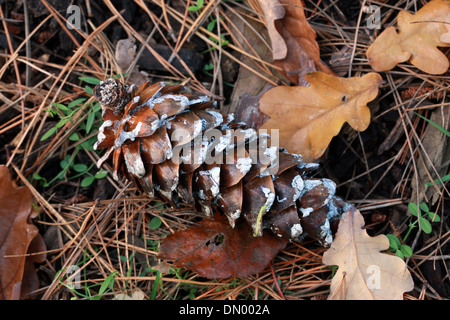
{"x":177,"y":147}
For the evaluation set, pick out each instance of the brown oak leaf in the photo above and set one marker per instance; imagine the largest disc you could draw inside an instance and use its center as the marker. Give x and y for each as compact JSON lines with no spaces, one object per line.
{"x":216,"y":250}
{"x":18,"y":236}
{"x":364,"y":272}
{"x":309,"y":117}
{"x":294,"y":45}
{"x":418,"y":40}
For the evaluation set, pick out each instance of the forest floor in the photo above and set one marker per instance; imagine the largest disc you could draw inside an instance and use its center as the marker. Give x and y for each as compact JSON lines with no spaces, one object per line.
{"x":110,"y":232}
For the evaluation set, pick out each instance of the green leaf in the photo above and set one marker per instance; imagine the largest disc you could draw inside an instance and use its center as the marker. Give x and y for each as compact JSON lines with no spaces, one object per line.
{"x":438,"y":181}
{"x":209,"y":66}
{"x":86,"y":182}
{"x":36,"y":176}
{"x":90,"y":80}
{"x":155,"y":286}
{"x":90,"y":121}
{"x":413,"y":209}
{"x":434,"y":217}
{"x":398,"y":253}
{"x":76,"y":102}
{"x":192,"y":293}
{"x":88,"y":90}
{"x":159,"y":205}
{"x":425,"y":225}
{"x":211,"y":25}
{"x":80,"y":167}
{"x":89,"y":144}
{"x":51,"y":112}
{"x":74,"y":137}
{"x":424,"y":207}
{"x":62,"y":122}
{"x":406,"y":250}
{"x":101,"y":174}
{"x":62,"y":107}
{"x":197,"y":7}
{"x":96,"y":107}
{"x":394,"y":242}
{"x":155,"y":223}
{"x":49,"y":133}
{"x":65,"y":162}
{"x":108,"y":283}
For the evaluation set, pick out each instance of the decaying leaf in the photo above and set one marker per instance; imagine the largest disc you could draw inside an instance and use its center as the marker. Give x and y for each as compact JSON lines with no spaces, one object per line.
{"x":36,"y":255}
{"x":216,"y":250}
{"x":364,"y":272}
{"x":17,"y":236}
{"x":250,"y":37}
{"x":125,"y":55}
{"x":273,"y":11}
{"x":309,"y":117}
{"x":433,"y":159}
{"x":418,"y":40}
{"x":136,"y":295}
{"x":294,"y":45}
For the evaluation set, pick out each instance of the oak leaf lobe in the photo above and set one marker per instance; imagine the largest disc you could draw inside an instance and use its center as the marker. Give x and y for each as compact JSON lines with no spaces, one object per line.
{"x":309,"y":117}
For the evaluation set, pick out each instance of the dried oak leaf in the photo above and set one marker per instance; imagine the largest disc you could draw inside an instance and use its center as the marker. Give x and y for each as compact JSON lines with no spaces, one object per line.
{"x":418,"y":40}
{"x":294,"y":45}
{"x":17,"y":236}
{"x":309,"y":117}
{"x":215,"y":250}
{"x":364,"y":272}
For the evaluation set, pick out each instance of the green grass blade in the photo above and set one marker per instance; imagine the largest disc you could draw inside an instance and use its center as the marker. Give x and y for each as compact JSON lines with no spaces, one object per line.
{"x":90,"y":80}
{"x":435,"y":124}
{"x":438,"y":181}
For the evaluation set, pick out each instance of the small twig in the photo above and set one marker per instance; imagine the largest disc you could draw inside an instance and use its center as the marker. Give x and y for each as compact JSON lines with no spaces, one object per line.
{"x":355,"y":39}
{"x":27,"y":43}
{"x":19,"y":82}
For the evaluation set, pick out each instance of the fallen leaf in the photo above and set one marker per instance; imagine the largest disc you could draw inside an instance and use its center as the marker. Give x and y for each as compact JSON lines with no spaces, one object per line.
{"x":273,"y":11}
{"x":446,"y":36}
{"x":294,"y":45}
{"x":17,"y":238}
{"x":136,"y":295}
{"x":125,"y":55}
{"x":216,"y":250}
{"x":309,"y":117}
{"x":30,"y":279}
{"x":125,"y":52}
{"x":364,"y":272}
{"x":433,"y":157}
{"x":250,"y":37}
{"x":418,"y":40}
